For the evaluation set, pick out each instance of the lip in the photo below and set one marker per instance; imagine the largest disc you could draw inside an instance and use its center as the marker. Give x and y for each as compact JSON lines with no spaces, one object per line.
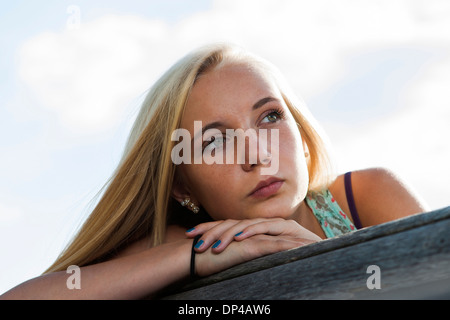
{"x":266,"y":188}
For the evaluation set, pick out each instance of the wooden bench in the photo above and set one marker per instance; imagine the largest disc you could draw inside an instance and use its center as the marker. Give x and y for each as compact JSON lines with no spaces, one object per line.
{"x":411,"y":259}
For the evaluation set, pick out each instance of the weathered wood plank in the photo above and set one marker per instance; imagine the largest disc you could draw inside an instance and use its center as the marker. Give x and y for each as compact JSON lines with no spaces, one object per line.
{"x":413,"y":255}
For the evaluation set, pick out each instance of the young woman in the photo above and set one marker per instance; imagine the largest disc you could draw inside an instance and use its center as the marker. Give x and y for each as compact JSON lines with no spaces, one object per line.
{"x":138,"y":239}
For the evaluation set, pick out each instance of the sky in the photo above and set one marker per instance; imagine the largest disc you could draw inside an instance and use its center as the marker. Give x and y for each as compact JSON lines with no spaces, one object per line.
{"x":375,"y":74}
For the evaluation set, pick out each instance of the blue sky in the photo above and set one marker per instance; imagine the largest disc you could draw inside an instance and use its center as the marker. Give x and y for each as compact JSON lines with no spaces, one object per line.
{"x":37,"y":170}
{"x":375,"y":75}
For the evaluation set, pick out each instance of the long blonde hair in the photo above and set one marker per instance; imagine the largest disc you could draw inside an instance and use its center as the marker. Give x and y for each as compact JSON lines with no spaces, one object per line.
{"x":137,"y":200}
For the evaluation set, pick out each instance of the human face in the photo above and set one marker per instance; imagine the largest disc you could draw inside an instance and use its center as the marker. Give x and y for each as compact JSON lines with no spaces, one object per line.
{"x":241,"y":96}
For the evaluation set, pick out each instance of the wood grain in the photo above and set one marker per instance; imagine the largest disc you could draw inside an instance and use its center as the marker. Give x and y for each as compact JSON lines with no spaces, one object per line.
{"x":413,"y":255}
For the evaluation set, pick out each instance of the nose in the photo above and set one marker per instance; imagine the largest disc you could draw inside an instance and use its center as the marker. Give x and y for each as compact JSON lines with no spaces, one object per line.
{"x":256,"y":151}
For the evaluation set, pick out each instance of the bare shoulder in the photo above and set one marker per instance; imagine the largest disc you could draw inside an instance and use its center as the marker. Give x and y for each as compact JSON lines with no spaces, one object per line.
{"x":380,"y":195}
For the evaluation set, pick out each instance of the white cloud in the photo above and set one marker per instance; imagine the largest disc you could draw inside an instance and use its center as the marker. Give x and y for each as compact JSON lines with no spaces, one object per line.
{"x":88,"y":77}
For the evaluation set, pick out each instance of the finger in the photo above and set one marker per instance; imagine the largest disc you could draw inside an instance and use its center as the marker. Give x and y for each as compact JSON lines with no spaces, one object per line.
{"x":211,"y":236}
{"x":266,"y":244}
{"x":273,"y":227}
{"x":228,"y":235}
{"x":201,"y":228}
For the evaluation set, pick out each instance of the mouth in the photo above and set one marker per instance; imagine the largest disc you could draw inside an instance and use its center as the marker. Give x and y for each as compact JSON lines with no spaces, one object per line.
{"x":266,"y":188}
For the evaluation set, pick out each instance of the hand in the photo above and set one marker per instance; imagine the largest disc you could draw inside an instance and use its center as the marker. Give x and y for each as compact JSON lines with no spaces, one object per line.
{"x":245,"y":240}
{"x":219,"y":234}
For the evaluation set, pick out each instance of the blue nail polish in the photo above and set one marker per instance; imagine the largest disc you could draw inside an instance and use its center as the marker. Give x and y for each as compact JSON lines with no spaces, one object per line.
{"x":216,"y":244}
{"x":199,"y":244}
{"x":190,"y":230}
{"x":238,"y":234}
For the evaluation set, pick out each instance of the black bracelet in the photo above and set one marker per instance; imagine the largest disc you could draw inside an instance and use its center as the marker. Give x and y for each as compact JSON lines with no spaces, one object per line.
{"x":193,"y":275}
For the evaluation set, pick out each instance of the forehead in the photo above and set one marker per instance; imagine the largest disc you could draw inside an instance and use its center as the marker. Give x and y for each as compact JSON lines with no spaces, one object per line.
{"x":227,"y":89}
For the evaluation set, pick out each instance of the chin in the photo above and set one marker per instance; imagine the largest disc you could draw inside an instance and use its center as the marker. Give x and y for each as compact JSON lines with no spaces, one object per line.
{"x":274,"y":210}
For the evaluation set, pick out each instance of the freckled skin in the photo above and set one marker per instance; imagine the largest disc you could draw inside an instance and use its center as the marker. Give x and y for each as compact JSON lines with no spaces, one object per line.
{"x":227,"y":94}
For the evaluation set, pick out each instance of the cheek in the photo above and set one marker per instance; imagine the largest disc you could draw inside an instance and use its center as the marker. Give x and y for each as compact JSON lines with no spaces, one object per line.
{"x":292,"y":160}
{"x":291,"y":146}
{"x":215,"y":187}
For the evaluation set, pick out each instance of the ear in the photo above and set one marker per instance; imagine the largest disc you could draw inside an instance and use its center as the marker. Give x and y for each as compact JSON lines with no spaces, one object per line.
{"x":180,"y":192}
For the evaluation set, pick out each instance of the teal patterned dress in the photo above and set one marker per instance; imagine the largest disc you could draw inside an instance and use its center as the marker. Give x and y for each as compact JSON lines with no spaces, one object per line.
{"x":331,"y":217}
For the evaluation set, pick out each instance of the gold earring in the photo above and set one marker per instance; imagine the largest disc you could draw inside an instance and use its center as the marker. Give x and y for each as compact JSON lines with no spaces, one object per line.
{"x":306,"y":154}
{"x":190,"y":205}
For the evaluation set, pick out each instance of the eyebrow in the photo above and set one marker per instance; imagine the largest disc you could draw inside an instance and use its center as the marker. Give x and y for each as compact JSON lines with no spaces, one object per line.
{"x":263,"y":101}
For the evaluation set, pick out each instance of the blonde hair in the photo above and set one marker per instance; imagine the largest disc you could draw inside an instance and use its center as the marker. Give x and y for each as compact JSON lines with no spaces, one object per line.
{"x":137,"y":200}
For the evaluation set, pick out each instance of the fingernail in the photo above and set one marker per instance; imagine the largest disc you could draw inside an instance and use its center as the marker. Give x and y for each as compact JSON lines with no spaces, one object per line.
{"x":238,"y":234}
{"x":190,"y":230}
{"x":199,"y":244}
{"x":216,"y":244}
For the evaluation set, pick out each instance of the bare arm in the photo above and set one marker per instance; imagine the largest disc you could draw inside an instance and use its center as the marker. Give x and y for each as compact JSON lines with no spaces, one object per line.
{"x":141,"y":272}
{"x":133,"y":276}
